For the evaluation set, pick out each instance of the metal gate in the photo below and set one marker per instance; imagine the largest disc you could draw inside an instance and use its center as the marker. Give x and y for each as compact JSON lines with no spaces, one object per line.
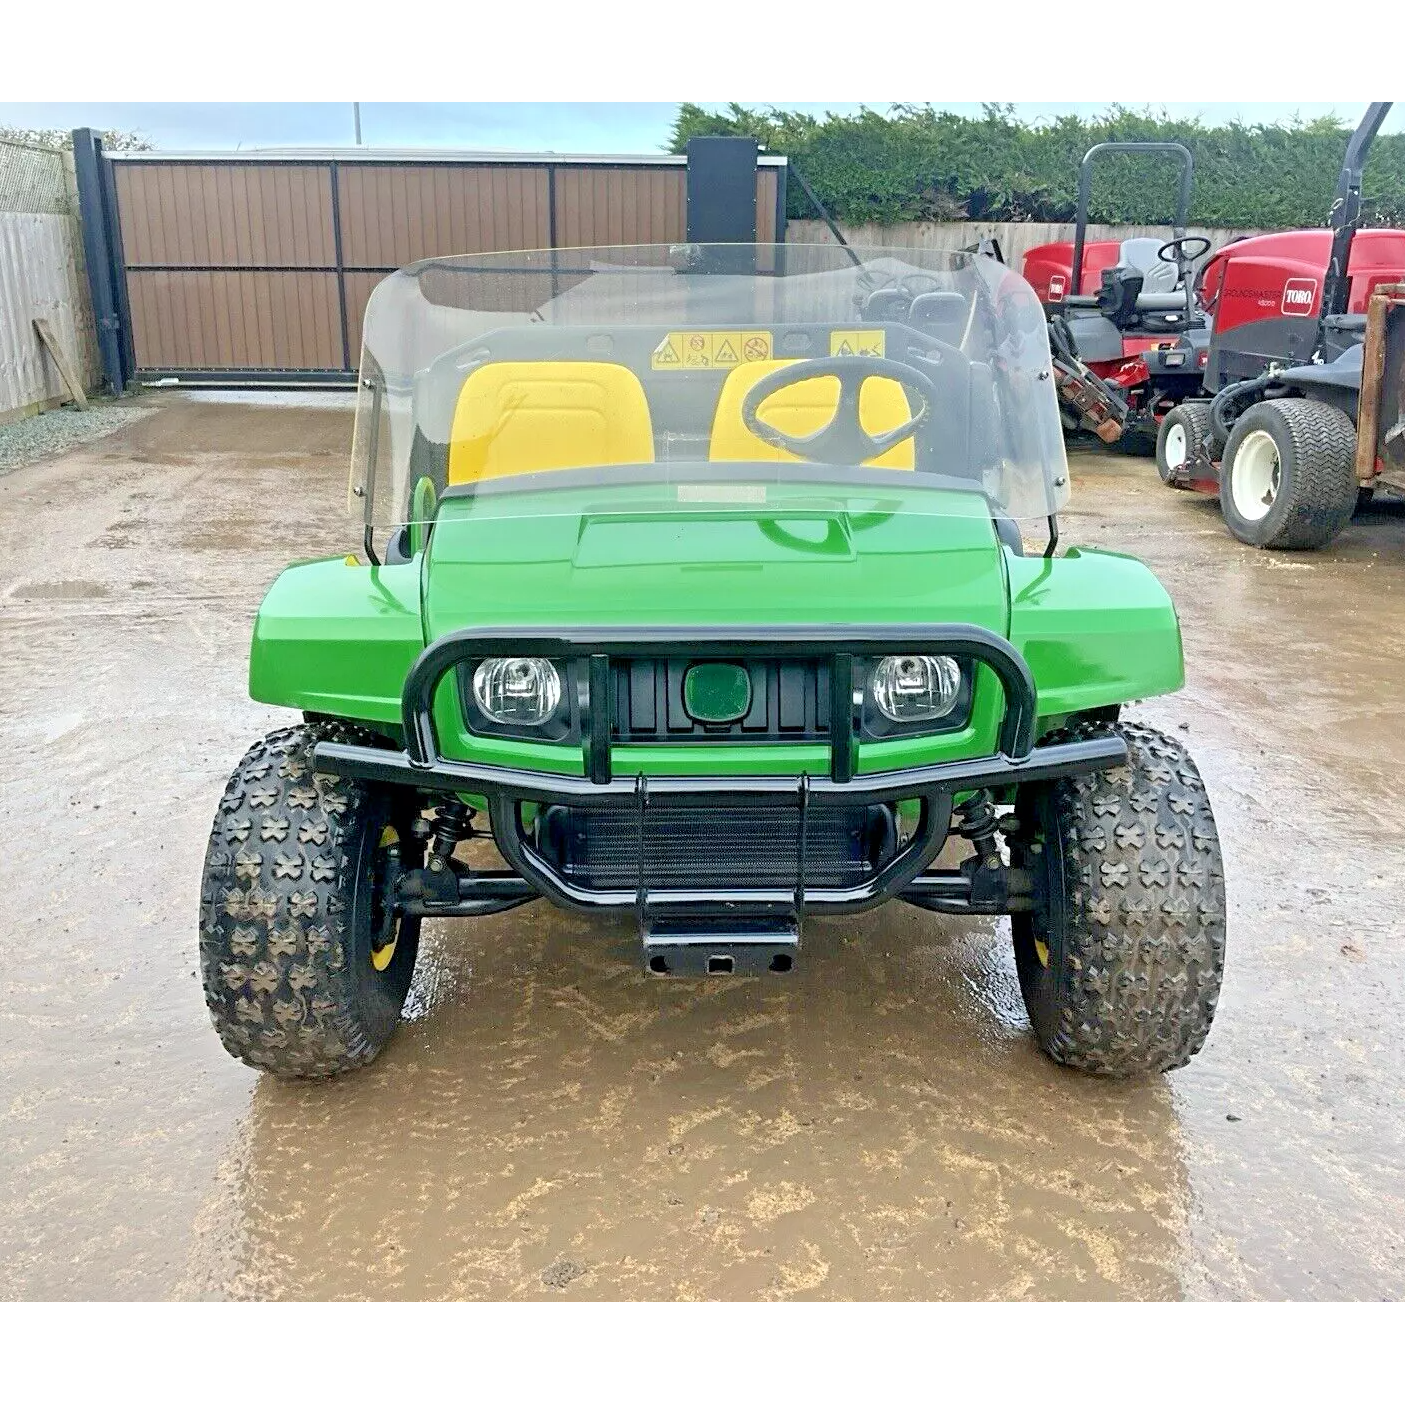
{"x":254,"y":269}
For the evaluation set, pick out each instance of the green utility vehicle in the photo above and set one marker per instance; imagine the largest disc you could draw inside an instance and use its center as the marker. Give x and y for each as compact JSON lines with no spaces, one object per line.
{"x":697,"y":574}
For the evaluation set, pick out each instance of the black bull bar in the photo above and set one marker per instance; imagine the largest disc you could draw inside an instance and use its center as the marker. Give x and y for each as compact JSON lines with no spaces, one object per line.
{"x":421,"y":765}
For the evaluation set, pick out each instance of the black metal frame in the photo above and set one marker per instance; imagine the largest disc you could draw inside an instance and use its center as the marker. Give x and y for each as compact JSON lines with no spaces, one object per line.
{"x":1016,"y":761}
{"x":108,"y":269}
{"x":1085,"y":190}
{"x":1345,"y":216}
{"x":102,"y":253}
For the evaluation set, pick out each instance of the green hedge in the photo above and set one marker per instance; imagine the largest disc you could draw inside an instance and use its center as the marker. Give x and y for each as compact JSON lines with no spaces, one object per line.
{"x":915,"y":163}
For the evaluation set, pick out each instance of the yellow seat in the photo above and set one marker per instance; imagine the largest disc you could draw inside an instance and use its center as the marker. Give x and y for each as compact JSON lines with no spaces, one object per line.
{"x":525,"y":416}
{"x":802,"y":409}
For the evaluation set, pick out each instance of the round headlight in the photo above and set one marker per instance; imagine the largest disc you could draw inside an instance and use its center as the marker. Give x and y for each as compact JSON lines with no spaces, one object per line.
{"x":517,"y":692}
{"x":916,"y":687}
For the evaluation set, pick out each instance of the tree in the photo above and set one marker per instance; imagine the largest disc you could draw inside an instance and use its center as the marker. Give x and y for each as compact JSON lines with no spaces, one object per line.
{"x":55,"y":139}
{"x":915,"y":162}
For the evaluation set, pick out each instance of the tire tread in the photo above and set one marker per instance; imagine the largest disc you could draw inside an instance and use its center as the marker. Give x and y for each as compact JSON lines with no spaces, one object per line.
{"x":1144,"y":940}
{"x":1320,"y":484}
{"x":275,"y":924}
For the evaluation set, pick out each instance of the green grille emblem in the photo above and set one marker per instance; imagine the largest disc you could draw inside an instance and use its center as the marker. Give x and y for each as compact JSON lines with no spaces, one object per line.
{"x":717,"y":692}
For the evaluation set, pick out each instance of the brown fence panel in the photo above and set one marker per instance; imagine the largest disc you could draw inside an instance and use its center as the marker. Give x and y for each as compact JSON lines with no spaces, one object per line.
{"x":620,"y":205}
{"x":393,"y":215}
{"x":768,"y":194}
{"x":226,"y":215}
{"x":231,"y":321}
{"x":358,"y":293}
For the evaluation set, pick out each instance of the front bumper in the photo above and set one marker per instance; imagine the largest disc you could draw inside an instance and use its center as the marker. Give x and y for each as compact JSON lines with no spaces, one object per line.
{"x":1016,"y":761}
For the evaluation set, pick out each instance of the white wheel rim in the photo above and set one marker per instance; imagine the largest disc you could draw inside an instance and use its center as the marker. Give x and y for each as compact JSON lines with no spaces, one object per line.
{"x":1253,"y":479}
{"x":1175,"y":445}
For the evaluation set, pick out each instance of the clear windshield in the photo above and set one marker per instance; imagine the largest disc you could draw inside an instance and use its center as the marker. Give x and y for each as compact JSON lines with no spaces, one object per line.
{"x":697,"y":373}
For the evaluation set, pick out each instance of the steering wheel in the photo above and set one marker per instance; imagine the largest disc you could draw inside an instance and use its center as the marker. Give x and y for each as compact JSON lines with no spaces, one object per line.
{"x":843,"y":440}
{"x":1174,"y":250}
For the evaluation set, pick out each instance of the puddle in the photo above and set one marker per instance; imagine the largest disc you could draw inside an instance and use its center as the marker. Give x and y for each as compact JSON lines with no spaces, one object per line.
{"x":59,"y":590}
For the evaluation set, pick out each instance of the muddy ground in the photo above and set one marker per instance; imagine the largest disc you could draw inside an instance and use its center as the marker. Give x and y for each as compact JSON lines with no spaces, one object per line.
{"x":550,"y":1123}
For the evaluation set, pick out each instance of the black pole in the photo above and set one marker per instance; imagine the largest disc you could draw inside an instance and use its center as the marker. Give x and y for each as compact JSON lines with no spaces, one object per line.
{"x":99,"y":249}
{"x":824,"y":213}
{"x":1346,"y":215}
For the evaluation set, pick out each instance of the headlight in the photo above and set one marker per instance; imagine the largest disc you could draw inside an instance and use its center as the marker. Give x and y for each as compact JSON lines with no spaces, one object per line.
{"x":916,"y":687}
{"x":521,"y":692}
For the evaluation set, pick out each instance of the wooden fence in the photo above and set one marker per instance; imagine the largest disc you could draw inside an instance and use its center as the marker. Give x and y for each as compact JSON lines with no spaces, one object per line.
{"x":41,"y":276}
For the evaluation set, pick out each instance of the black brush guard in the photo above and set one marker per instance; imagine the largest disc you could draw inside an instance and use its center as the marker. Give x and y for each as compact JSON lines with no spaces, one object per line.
{"x":691,"y":914}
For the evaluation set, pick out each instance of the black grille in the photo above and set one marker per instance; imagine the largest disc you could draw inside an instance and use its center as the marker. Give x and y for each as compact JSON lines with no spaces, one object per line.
{"x":789,"y":702}
{"x":693,"y":846}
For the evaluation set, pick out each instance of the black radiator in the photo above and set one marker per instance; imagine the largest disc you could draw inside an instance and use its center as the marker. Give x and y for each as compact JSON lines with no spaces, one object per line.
{"x":692,"y":846}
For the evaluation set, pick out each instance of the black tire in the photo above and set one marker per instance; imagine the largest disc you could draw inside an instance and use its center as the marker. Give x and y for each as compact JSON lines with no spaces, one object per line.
{"x":1121,"y":970}
{"x":1309,"y":493}
{"x":290,"y":909}
{"x":1178,"y":441}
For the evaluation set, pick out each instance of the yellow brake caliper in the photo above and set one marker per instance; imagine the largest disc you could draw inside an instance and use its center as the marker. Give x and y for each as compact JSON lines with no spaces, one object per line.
{"x":381,"y":956}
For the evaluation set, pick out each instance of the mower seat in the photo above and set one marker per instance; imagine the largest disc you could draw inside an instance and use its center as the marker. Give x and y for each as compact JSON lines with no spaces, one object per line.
{"x":802,"y":409}
{"x":527,"y":416}
{"x":1158,"y":275}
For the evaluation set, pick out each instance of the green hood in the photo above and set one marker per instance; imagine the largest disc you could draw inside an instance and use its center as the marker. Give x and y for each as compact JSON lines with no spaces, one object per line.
{"x":593,"y":556}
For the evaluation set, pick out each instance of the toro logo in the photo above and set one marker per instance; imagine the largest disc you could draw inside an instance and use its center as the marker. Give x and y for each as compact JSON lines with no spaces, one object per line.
{"x":1057,"y":284}
{"x":1298,"y":295}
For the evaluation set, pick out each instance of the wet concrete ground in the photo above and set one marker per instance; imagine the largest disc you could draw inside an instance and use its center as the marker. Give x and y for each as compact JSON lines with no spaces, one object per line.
{"x":549,"y":1123}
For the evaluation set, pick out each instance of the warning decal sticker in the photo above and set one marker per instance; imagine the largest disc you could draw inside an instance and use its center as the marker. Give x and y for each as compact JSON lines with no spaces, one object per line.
{"x":692,"y":350}
{"x":859,"y":341}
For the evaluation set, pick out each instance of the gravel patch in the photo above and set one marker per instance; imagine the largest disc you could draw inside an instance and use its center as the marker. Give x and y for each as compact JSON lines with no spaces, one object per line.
{"x":56,"y":431}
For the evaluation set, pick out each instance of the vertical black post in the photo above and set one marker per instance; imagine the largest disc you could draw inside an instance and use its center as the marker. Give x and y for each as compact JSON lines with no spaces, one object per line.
{"x":334,"y":175}
{"x":722,"y":200}
{"x":551,"y":230}
{"x":100,"y":245}
{"x":120,"y":303}
{"x":782,"y":174}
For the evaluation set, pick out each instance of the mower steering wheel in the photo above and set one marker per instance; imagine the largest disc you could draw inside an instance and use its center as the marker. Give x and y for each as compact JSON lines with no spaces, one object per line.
{"x":843,"y":440}
{"x":1174,"y":250}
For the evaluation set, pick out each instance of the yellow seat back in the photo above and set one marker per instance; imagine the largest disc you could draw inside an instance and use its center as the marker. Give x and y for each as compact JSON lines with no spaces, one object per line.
{"x":802,"y":409}
{"x":526,"y":416}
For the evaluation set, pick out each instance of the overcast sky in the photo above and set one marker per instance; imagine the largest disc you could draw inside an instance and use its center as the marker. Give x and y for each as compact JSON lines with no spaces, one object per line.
{"x":527,"y":126}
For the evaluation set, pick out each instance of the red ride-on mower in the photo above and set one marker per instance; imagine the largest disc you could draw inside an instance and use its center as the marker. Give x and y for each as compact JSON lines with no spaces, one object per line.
{"x":1300,"y":418}
{"x":1128,"y":353}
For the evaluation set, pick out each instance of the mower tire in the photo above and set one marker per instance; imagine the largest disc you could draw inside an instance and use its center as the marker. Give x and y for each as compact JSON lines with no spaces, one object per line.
{"x":1178,"y":441}
{"x":1288,"y":476}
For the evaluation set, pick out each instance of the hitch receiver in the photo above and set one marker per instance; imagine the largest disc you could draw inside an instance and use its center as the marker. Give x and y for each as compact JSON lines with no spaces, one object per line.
{"x":681,"y":947}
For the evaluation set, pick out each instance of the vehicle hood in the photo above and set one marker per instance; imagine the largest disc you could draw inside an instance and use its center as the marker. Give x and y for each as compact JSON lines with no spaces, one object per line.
{"x":917,"y":558}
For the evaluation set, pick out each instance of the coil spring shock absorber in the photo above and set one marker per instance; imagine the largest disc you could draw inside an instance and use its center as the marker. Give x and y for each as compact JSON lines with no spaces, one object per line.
{"x":979,"y":825}
{"x":452,"y":822}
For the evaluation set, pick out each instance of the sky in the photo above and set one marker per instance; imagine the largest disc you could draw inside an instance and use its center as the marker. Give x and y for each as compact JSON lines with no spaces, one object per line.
{"x":566,"y":127}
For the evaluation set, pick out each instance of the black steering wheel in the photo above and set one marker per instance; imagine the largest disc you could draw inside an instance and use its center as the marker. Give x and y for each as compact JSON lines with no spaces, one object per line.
{"x":1174,"y":250}
{"x":843,"y":440}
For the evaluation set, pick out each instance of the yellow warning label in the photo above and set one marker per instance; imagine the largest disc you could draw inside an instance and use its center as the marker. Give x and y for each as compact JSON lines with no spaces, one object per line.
{"x":858,"y":341}
{"x":693,"y":350}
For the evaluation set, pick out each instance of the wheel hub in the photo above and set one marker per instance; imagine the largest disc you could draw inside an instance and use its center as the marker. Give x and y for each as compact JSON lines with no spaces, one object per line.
{"x":1175,"y":447}
{"x":1254,"y":476}
{"x":386,"y":926}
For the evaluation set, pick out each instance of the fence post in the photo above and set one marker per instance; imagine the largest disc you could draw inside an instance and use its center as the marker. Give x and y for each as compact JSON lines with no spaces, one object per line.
{"x":99,"y":251}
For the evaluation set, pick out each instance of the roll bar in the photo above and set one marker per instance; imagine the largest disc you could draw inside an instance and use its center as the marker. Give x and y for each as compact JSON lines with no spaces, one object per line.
{"x":1346,"y":215}
{"x":1085,"y":187}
